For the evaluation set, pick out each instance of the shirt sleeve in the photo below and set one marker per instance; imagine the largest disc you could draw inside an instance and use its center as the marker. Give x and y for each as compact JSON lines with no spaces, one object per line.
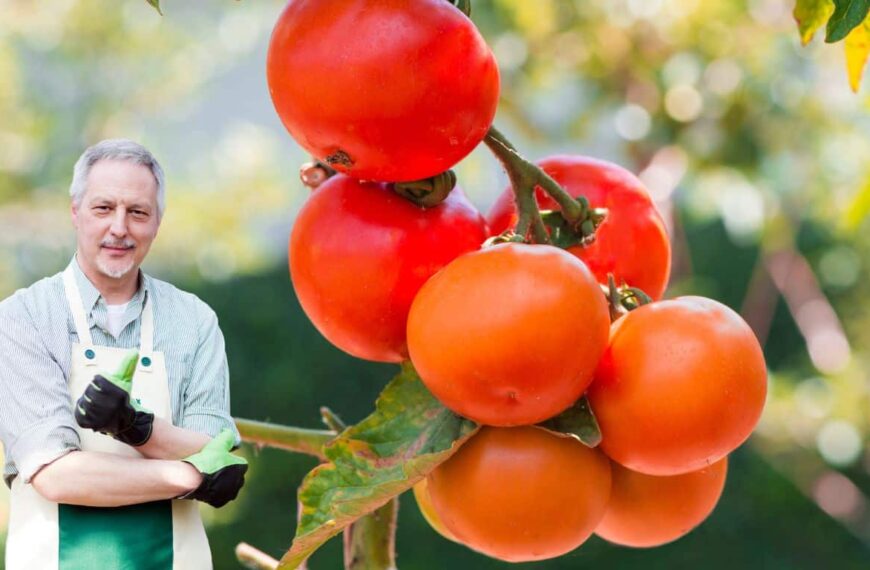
{"x":36,"y":421}
{"x":207,"y":395}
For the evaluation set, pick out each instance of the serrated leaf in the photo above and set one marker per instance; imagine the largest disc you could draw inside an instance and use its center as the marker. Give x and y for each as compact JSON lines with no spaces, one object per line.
{"x":857,"y":46}
{"x":578,"y":421}
{"x":810,"y":16}
{"x":847,"y":15}
{"x":408,"y":435}
{"x":156,"y":5}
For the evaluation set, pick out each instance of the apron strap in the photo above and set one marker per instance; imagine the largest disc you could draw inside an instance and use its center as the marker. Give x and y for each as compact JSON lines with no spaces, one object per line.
{"x":146,"y":336}
{"x":74,"y":300}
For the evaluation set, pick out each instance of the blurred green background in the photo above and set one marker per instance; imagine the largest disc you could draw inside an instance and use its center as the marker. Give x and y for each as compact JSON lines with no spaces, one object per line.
{"x":754,"y":147}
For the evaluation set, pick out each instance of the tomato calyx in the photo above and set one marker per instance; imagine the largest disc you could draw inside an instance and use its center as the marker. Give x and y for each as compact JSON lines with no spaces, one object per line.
{"x":622,"y":299}
{"x":573,"y":224}
{"x":428,"y":192}
{"x":314,"y":173}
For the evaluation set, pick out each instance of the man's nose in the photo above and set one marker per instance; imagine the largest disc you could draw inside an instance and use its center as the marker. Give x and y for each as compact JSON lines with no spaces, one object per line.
{"x":119,"y":223}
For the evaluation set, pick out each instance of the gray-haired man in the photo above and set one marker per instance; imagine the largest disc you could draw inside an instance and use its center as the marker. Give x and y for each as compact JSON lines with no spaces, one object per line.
{"x":112,"y":386}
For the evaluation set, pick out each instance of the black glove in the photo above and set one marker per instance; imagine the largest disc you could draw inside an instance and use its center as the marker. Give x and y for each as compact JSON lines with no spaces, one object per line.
{"x":223,"y":473}
{"x":106,"y":406}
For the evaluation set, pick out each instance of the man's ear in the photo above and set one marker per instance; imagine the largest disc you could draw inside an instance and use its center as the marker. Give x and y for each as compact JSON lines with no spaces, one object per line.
{"x":74,"y":214}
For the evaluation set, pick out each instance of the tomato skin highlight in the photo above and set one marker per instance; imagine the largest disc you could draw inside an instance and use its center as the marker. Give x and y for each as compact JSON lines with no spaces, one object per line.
{"x":521,"y":494}
{"x":358,"y":254}
{"x":394,"y":90}
{"x":509,"y":335}
{"x":682,"y":384}
{"x":632,"y":242}
{"x":647,"y":510}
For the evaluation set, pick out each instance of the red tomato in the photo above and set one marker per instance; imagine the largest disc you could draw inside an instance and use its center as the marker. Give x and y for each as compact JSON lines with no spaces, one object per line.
{"x":646,"y":510}
{"x":391,"y":90}
{"x":681,"y":385}
{"x":509,"y":335}
{"x":631,"y":243}
{"x":359,"y":253}
{"x":521,"y":494}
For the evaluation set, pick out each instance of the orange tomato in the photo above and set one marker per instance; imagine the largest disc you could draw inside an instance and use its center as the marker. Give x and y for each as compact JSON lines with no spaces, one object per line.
{"x":648,"y":510}
{"x":424,"y":503}
{"x":509,"y":335}
{"x":681,"y":385}
{"x":521,"y":494}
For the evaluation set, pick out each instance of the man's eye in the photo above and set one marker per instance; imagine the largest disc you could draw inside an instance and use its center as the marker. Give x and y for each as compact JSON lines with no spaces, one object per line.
{"x":139,"y":213}
{"x":102,"y":208}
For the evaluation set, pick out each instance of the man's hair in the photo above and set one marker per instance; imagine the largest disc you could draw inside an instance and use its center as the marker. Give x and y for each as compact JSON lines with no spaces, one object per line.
{"x":116,"y":149}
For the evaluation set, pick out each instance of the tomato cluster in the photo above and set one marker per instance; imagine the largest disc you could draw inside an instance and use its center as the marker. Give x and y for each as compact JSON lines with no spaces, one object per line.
{"x":513,"y":334}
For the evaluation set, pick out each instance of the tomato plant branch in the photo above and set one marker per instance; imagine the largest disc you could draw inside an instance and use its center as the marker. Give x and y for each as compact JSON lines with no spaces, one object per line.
{"x":301,"y":440}
{"x":369,"y":543}
{"x":253,"y":558}
{"x":525,"y":176}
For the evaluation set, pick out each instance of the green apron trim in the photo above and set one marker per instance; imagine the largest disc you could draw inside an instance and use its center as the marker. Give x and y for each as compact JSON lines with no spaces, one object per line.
{"x":136,"y":537}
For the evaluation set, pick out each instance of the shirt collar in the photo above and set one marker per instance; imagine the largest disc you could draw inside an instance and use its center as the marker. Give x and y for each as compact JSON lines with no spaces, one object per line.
{"x":91,"y":295}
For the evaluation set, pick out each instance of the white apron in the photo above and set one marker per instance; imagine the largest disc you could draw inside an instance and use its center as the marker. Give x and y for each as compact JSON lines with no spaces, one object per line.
{"x":162,"y":535}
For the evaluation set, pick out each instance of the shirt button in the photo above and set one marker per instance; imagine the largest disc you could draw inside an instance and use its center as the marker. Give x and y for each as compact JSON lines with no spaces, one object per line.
{"x":89,"y":354}
{"x":146,"y":361}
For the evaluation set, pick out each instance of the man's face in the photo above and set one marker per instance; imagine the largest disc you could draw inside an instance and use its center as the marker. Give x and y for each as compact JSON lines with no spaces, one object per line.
{"x":117,"y":218}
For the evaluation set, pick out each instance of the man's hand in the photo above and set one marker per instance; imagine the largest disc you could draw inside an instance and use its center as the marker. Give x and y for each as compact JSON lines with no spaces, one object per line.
{"x":223,"y":473}
{"x":106,"y":406}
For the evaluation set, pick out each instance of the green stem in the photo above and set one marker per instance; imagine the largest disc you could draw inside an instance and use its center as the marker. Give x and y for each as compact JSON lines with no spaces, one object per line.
{"x":332,"y":420}
{"x":369,"y":543}
{"x":523,"y":176}
{"x":310,"y":441}
{"x":253,"y":558}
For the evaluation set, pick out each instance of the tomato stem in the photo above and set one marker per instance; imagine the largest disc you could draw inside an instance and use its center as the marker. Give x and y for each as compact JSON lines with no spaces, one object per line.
{"x":370,"y":542}
{"x":332,"y":420}
{"x":525,"y":176}
{"x":301,"y":440}
{"x":251,"y":557}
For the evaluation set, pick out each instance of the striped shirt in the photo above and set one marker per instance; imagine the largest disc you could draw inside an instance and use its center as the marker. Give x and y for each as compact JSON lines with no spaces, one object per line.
{"x":36,"y":337}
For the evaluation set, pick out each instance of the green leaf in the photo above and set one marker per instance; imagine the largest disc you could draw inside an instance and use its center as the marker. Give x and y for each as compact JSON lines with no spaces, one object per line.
{"x":578,"y":421}
{"x":156,"y":5}
{"x":847,"y":15}
{"x":811,"y":15}
{"x":407,"y":436}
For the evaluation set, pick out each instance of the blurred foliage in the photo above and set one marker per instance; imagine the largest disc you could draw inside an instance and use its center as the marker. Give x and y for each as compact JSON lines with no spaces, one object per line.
{"x":753,"y":146}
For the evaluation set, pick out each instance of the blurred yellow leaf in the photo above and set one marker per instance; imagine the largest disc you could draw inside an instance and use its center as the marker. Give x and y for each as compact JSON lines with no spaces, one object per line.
{"x":858,"y":208}
{"x":811,"y":15}
{"x":857,"y":47}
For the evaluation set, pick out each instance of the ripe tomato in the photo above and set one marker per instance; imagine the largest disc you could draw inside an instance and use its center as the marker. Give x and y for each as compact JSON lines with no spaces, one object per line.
{"x":391,"y":90}
{"x":424,"y":502}
{"x":647,"y":510}
{"x":509,"y":335}
{"x":631,"y":243}
{"x":681,"y":385}
{"x":521,"y":494}
{"x":359,"y":253}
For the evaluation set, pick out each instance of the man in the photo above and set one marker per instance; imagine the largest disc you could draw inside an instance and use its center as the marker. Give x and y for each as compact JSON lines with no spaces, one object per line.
{"x":88,"y":423}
